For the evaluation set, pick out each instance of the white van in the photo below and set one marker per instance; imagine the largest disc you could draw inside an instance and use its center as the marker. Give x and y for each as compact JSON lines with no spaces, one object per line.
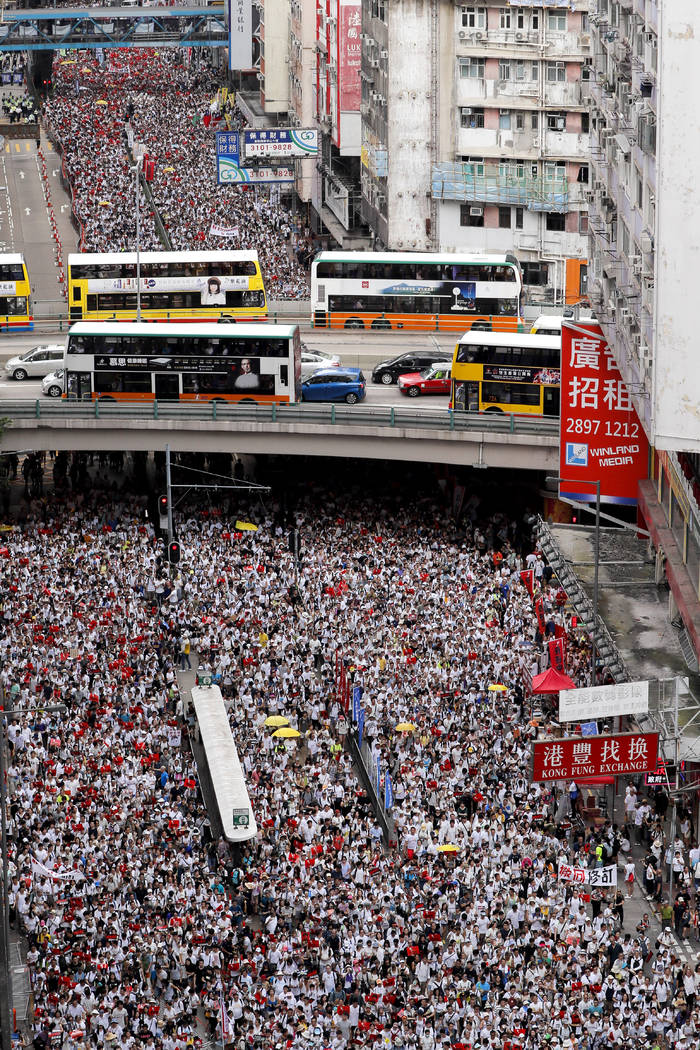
{"x":550,"y":324}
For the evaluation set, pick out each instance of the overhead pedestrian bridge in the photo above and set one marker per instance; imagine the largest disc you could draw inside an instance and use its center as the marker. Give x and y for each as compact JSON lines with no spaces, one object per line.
{"x":58,"y":29}
{"x":361,"y":431}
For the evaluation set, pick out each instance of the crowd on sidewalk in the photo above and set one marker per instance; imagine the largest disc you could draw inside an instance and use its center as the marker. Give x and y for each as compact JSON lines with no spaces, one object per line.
{"x":173,"y":107}
{"x":142,"y":928}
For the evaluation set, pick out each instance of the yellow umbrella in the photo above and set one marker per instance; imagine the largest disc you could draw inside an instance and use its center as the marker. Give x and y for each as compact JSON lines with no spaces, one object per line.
{"x":105,"y":204}
{"x":69,"y":62}
{"x":287,"y":732}
{"x":498,"y":688}
{"x":448,"y":848}
{"x":276,"y":720}
{"x":405,"y":727}
{"x":168,"y":169}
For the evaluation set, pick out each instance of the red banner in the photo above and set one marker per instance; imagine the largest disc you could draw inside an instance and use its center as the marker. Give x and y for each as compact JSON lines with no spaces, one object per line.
{"x":556,"y":653}
{"x":539,"y":613}
{"x":528,"y":578}
{"x":594,"y":756}
{"x":600,"y":436}
{"x":349,"y":55}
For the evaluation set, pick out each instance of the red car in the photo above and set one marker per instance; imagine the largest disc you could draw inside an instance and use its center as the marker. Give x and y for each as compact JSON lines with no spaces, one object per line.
{"x":433,"y":380}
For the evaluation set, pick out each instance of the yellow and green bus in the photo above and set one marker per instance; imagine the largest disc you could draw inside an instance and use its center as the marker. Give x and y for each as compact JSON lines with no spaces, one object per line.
{"x":507,"y":372}
{"x":15,"y":295}
{"x":174,"y":286}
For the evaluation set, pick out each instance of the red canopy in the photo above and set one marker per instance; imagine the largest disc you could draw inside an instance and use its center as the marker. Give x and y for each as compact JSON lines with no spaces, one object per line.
{"x":551,"y":681}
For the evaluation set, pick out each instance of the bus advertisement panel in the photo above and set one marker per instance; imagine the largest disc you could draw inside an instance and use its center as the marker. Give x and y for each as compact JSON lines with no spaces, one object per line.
{"x":601,"y":438}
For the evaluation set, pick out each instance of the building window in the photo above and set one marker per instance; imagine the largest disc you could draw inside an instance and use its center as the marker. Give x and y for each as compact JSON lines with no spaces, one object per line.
{"x":504,"y":69}
{"x":511,"y":169}
{"x":520,"y":70}
{"x":535,"y":19}
{"x":583,"y":174}
{"x":504,"y":17}
{"x":519,"y":217}
{"x":556,"y":222}
{"x":472,"y":68}
{"x":504,"y":120}
{"x":534,"y":72}
{"x":474,"y":17}
{"x":535,"y":273}
{"x":504,"y":218}
{"x":585,"y":123}
{"x":555,"y":170}
{"x":473,"y":165}
{"x":640,"y":190}
{"x":534,"y":121}
{"x":471,"y":215}
{"x":520,"y":19}
{"x":583,"y":222}
{"x":556,"y":21}
{"x":471,"y":118}
{"x":519,"y":121}
{"x":556,"y":72}
{"x":556,"y":122}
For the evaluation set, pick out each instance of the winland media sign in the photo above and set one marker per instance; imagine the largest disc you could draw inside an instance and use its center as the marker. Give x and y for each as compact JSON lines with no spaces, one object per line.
{"x":600,"y":438}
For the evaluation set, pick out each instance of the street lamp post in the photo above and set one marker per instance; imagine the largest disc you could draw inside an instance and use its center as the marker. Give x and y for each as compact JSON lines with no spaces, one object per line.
{"x":137,"y":205}
{"x":596,"y":563}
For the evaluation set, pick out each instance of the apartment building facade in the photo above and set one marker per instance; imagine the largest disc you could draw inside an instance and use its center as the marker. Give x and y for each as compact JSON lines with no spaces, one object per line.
{"x":644,"y":223}
{"x":475,"y":132}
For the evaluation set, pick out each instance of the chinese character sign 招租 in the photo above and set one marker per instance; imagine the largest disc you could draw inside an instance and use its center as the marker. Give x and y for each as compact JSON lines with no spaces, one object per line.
{"x":601,"y":438}
{"x":576,"y":757}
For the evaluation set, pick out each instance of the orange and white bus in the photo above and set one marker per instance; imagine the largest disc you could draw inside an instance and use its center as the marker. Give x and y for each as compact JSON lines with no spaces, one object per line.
{"x":143,"y":361}
{"x":418,"y":291}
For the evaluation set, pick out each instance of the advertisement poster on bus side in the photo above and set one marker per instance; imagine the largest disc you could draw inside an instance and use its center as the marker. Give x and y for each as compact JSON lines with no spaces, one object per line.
{"x":212,"y":288}
{"x":600,"y":437}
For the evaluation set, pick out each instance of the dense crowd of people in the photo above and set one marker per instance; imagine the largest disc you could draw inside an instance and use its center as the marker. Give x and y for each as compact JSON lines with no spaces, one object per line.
{"x":173,"y":107}
{"x":145,"y":930}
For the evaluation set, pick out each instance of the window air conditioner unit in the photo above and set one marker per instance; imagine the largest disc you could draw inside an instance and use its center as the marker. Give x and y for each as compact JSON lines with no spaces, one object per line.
{"x":519,"y":36}
{"x":476,"y":209}
{"x":624,"y":314}
{"x":584,"y":40}
{"x":463,"y":34}
{"x":646,"y":242}
{"x":467,"y":111}
{"x":561,"y":124}
{"x":479,"y":36}
{"x":383,"y":54}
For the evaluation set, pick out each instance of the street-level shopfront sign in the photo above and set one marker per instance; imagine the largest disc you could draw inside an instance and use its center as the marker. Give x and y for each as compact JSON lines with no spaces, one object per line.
{"x":575,"y":758}
{"x":604,"y":701}
{"x":605,"y":876}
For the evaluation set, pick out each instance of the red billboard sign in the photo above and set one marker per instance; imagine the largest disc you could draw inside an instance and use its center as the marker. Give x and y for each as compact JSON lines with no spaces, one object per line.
{"x":576,"y":757}
{"x":600,"y":436}
{"x":349,"y":55}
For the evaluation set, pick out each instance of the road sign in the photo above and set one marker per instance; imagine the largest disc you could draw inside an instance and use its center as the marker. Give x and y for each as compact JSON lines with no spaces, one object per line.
{"x":230,"y":174}
{"x":241,"y":818}
{"x":228,"y":144}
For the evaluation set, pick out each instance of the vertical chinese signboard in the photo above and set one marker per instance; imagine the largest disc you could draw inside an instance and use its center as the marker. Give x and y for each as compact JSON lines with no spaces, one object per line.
{"x":575,"y":757}
{"x":349,"y":57}
{"x":240,"y":34}
{"x":600,"y":437}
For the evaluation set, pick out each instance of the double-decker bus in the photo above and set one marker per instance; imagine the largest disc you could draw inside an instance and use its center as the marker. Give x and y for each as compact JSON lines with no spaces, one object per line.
{"x":502,"y":372}
{"x":15,"y":294}
{"x":132,"y":361}
{"x":419,"y":291}
{"x":175,"y":286}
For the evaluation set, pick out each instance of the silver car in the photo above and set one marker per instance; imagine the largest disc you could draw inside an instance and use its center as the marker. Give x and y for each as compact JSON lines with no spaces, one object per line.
{"x":312,"y":360}
{"x":36,"y":363}
{"x":52,"y":384}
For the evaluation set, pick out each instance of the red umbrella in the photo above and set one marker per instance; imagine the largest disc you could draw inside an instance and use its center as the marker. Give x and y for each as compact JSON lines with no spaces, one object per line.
{"x":551,"y":681}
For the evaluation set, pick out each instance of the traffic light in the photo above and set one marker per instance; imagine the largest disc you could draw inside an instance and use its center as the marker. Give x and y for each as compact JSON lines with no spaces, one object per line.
{"x":174,"y":552}
{"x":163,"y":511}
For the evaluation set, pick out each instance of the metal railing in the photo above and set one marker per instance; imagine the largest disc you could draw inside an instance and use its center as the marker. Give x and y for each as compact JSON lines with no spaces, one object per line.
{"x":388,"y":416}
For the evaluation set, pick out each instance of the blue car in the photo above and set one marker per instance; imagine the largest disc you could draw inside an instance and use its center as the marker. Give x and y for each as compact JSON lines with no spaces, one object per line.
{"x":334,"y":384}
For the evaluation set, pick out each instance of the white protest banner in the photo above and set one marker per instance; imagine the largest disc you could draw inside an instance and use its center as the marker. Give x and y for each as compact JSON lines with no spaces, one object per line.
{"x":602,"y":877}
{"x":604,"y":701}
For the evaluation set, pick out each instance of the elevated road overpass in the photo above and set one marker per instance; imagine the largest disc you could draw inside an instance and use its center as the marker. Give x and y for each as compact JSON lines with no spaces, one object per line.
{"x":379,"y":432}
{"x":57,"y":29}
